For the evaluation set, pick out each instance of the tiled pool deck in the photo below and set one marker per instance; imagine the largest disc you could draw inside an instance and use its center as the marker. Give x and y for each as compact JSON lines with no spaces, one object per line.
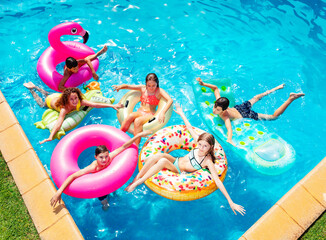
{"x":287,"y":219}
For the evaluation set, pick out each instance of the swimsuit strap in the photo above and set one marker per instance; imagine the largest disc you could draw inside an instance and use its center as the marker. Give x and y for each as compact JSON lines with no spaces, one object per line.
{"x":194,"y":161}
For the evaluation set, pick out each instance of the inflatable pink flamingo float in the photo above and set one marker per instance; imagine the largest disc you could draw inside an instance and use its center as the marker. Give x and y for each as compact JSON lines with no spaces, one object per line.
{"x":59,"y":51}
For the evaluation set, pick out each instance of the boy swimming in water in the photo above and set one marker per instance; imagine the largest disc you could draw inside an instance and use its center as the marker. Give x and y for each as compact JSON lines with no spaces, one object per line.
{"x":221,"y":107}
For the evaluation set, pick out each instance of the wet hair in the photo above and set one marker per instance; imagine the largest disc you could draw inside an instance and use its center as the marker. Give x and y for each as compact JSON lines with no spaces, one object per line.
{"x":64,"y":99}
{"x":152,"y":77}
{"x":100,"y":149}
{"x":211,"y":141}
{"x":71,"y":62}
{"x":222,"y":102}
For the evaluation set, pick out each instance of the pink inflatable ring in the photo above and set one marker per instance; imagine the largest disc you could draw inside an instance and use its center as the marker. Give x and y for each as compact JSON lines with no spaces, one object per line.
{"x":59,"y":51}
{"x":65,"y":156}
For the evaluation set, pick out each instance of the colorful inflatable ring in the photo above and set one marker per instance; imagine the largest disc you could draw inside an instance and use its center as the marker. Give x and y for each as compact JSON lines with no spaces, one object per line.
{"x":130,"y":100}
{"x":184,"y":186}
{"x":66,"y":153}
{"x":59,"y":51}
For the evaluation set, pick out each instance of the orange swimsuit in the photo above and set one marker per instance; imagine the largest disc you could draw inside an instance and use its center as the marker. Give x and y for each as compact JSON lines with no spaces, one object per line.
{"x":150,"y":99}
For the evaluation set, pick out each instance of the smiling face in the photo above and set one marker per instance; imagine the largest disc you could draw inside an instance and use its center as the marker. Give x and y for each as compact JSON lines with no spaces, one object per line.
{"x":151,"y":86}
{"x":103,"y":159}
{"x":73,"y":99}
{"x":204,"y":147}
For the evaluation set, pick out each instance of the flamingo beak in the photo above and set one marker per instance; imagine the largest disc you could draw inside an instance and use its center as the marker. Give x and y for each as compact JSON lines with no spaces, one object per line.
{"x":85,"y":37}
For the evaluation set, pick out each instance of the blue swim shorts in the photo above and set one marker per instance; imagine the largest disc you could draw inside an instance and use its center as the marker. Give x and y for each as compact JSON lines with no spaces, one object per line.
{"x":245,"y":110}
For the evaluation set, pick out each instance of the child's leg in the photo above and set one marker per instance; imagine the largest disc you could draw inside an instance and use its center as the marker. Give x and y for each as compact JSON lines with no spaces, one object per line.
{"x":30,"y":86}
{"x":138,"y":125}
{"x":161,"y":164}
{"x":129,"y":120}
{"x":259,"y":96}
{"x":99,"y":53}
{"x":104,"y":201}
{"x":282,"y":108}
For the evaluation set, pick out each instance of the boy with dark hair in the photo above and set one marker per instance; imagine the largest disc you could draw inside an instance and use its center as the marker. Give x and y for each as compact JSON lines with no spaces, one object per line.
{"x":221,"y":107}
{"x":72,"y":66}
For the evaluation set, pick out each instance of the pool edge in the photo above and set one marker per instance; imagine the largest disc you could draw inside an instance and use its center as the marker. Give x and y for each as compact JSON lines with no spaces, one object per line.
{"x":296,"y":211}
{"x":32,"y":180}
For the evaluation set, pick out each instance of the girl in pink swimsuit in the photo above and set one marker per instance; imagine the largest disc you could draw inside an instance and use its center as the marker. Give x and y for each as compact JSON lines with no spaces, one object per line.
{"x":151,"y":94}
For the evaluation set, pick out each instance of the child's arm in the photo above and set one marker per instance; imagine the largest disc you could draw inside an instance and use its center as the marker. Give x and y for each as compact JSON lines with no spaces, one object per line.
{"x":213,"y":87}
{"x":127,"y":86}
{"x":228,"y":126}
{"x":63,"y":81}
{"x":220,"y":185}
{"x":187,"y":123}
{"x":57,"y":196}
{"x":85,"y":102}
{"x":128,"y":143}
{"x":56,"y":126}
{"x":169,"y":100}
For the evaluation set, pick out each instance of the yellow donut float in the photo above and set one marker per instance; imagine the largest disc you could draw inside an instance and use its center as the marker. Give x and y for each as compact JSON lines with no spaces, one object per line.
{"x":184,"y":186}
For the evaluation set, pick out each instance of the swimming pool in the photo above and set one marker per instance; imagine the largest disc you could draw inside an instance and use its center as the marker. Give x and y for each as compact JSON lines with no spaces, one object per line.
{"x":259,"y":45}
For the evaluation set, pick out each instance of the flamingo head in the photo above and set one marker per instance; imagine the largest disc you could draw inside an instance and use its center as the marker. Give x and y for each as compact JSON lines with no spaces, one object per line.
{"x":68,"y":28}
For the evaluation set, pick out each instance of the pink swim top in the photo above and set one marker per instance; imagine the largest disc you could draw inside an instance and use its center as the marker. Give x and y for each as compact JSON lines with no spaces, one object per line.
{"x":150,"y":99}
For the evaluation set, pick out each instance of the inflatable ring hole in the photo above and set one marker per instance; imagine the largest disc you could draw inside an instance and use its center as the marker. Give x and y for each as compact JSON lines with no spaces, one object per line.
{"x":86,"y":157}
{"x":203,"y":89}
{"x":60,"y":68}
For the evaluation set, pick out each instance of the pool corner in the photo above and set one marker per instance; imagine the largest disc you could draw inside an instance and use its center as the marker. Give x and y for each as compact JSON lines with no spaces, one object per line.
{"x":294,"y":213}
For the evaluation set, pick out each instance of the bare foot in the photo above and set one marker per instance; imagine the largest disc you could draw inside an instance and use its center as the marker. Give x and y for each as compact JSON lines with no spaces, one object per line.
{"x":130,"y":188}
{"x":29,"y":85}
{"x":105,"y":204}
{"x":294,"y":96}
{"x":103,"y":50}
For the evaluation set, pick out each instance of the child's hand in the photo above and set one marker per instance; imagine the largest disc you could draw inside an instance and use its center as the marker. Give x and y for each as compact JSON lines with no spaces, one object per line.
{"x":55,"y":199}
{"x":231,"y":142}
{"x":178,"y":109}
{"x":161,"y":118}
{"x":116,"y":88}
{"x":95,"y":76}
{"x":117,"y":106}
{"x":200,"y":81}
{"x":238,"y":208}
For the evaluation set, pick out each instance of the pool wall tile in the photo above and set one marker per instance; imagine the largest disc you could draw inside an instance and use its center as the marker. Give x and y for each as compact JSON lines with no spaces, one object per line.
{"x":7,"y":118}
{"x":13,"y":142}
{"x":27,"y":171}
{"x":59,"y":230}
{"x":40,"y":206}
{"x":32,"y":180}
{"x":301,"y":206}
{"x":275,"y":224}
{"x":315,"y":184}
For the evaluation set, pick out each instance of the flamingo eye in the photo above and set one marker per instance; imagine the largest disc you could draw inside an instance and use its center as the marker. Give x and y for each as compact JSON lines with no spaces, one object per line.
{"x":74,"y":30}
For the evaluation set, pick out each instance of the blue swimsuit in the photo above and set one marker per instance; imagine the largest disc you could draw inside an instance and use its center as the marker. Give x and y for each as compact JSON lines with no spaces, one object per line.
{"x":196,"y":165}
{"x":245,"y":110}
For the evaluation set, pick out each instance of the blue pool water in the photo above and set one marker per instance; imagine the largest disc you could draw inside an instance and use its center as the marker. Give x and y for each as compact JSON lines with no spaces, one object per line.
{"x":258,"y":44}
